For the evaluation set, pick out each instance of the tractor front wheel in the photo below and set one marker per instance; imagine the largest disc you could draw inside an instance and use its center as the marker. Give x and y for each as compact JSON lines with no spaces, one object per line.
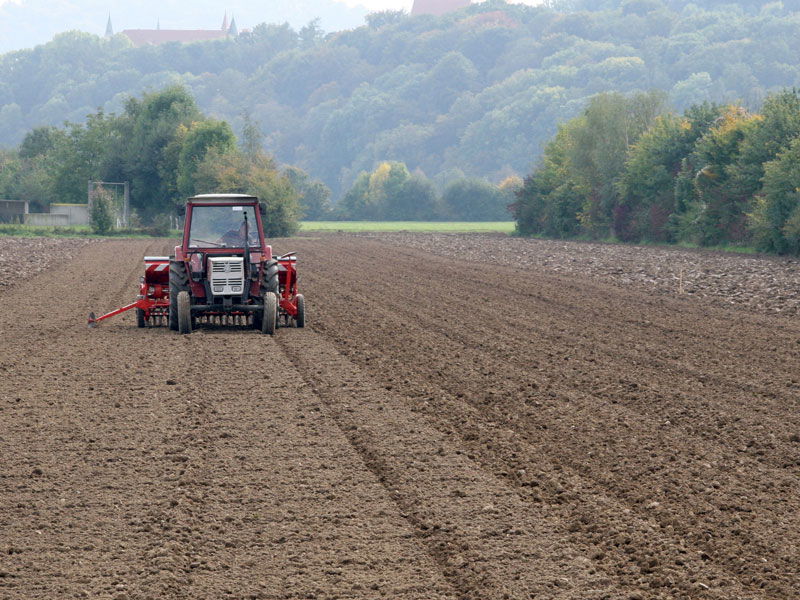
{"x":269,"y":316}
{"x":140,"y":321}
{"x":184,"y":312}
{"x":300,"y":319}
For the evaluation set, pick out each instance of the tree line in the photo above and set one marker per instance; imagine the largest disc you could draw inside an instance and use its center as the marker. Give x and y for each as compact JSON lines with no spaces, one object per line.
{"x":165,"y":148}
{"x":392,"y":193}
{"x":168,"y":150}
{"x":474,"y":91}
{"x":628,"y":168}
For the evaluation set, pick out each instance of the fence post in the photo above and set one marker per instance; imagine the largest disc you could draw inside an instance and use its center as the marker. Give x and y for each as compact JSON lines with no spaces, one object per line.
{"x":126,"y":206}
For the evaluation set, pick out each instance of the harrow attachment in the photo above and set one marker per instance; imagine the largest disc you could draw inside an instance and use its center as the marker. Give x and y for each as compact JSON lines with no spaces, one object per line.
{"x":152,"y":302}
{"x":291,"y":305}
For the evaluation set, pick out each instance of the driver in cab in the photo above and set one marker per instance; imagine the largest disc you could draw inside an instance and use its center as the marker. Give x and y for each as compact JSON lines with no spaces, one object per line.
{"x":234,"y":238}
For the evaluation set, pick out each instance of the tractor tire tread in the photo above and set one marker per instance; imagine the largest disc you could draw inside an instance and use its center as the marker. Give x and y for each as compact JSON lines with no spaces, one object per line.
{"x":270,"y":280}
{"x":269,"y":316}
{"x":300,"y":319}
{"x":184,"y":312}
{"x":178,"y":282}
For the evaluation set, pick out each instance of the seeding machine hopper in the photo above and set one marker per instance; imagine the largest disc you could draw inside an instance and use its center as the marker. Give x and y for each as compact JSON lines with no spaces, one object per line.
{"x":222,"y":272}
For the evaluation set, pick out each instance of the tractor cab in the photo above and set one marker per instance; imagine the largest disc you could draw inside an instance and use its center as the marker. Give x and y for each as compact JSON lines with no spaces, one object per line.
{"x":223,"y":247}
{"x":217,"y":221}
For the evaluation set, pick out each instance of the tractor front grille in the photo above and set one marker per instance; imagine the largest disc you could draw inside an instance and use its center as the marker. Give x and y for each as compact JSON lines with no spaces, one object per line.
{"x":226,"y":275}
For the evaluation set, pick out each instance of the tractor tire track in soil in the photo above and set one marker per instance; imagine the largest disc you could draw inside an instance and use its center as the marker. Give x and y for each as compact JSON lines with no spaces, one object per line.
{"x":442,"y":428}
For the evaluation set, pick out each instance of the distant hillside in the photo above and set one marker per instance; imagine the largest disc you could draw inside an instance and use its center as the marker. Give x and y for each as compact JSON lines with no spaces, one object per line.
{"x":478,"y":91}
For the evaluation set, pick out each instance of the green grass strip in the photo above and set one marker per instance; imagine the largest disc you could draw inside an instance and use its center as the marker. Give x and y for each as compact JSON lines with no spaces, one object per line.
{"x":413,"y":226}
{"x":46,"y":231}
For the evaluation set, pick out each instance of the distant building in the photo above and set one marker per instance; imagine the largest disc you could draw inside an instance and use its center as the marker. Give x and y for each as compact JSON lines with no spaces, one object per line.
{"x":60,"y":215}
{"x":13,"y":211}
{"x":437,"y":7}
{"x":143,"y":37}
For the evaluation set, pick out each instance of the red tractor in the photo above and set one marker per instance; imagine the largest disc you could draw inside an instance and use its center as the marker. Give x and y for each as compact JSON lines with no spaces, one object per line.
{"x":223,"y":272}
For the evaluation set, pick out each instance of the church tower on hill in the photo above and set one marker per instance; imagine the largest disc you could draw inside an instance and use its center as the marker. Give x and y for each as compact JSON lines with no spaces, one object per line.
{"x":143,"y":37}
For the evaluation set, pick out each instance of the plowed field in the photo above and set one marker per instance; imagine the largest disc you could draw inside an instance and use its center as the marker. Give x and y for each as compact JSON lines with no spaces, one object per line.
{"x":443,"y":428}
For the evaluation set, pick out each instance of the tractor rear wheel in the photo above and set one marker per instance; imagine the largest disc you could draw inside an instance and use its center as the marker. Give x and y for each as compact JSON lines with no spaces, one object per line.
{"x":178,"y":282}
{"x":184,"y":312}
{"x":140,"y":321}
{"x":269,"y":316}
{"x":300,"y":319}
{"x":270,"y":281}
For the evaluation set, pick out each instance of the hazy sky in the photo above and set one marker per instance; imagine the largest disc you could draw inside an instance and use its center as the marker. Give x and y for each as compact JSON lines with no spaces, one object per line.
{"x":374,"y":5}
{"x":26,"y":23}
{"x":371,"y":5}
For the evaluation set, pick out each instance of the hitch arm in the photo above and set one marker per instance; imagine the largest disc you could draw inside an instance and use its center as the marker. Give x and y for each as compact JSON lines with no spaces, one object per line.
{"x":142,"y":303}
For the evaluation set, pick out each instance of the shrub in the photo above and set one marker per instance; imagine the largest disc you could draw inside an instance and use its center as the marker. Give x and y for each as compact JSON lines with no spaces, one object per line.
{"x":102,"y":213}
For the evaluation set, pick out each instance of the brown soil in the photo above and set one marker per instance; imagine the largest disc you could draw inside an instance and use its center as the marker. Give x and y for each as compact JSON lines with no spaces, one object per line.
{"x":760,"y":283}
{"x":20,"y":258}
{"x":443,"y":428}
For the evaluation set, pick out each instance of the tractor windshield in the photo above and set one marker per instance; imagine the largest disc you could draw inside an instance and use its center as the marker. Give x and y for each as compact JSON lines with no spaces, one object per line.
{"x":222,"y":227}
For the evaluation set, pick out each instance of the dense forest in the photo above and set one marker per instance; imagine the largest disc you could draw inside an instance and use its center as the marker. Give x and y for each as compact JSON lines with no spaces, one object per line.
{"x":475,"y":93}
{"x":629,"y":169}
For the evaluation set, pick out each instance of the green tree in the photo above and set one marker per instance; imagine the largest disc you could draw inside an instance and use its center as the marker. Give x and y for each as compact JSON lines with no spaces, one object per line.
{"x":771,"y":133}
{"x":719,"y":214}
{"x":648,"y":200}
{"x":252,"y":140}
{"x":83,"y":153}
{"x":9,"y":168}
{"x":354,"y":204}
{"x":776,"y":215}
{"x":373,"y":193}
{"x":150,"y":125}
{"x":475,"y":200}
{"x":611,"y":124}
{"x":551,"y":199}
{"x":40,"y":141}
{"x":311,"y":34}
{"x":414,"y":200}
{"x":201,"y":137}
{"x":102,"y":215}
{"x":452,"y":75}
{"x":234,"y":172}
{"x":376,"y":20}
{"x":390,"y":192}
{"x":313,"y":195}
